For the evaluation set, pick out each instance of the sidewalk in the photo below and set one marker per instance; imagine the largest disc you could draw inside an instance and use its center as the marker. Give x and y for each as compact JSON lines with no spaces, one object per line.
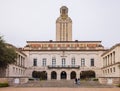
{"x":59,"y":89}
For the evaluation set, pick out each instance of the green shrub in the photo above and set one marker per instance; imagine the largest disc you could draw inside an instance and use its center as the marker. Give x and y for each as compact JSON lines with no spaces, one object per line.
{"x":118,"y":85}
{"x":31,"y":79}
{"x":4,"y":84}
{"x":95,"y":79}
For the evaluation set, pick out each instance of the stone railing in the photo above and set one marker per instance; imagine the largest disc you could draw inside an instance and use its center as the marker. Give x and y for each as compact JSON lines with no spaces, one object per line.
{"x":63,"y":66}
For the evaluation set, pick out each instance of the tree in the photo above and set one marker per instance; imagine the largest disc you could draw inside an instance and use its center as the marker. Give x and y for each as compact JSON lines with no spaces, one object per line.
{"x":7,"y":56}
{"x":87,"y":74}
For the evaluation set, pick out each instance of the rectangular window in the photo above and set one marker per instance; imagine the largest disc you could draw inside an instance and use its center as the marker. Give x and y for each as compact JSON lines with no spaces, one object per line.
{"x":63,"y":62}
{"x":92,"y":62}
{"x":16,"y":70}
{"x":34,"y":62}
{"x":73,"y":62}
{"x":111,"y":70}
{"x":82,"y":62}
{"x":108,"y":71}
{"x":114,"y":69}
{"x":44,"y":62}
{"x":13,"y":69}
{"x":53,"y":62}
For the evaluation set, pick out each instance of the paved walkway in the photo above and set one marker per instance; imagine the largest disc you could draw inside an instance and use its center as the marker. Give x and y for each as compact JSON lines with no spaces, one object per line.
{"x":59,"y":89}
{"x":65,"y":83}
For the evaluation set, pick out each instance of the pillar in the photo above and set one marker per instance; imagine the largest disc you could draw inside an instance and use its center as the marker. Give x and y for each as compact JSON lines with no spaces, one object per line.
{"x":78,"y":75}
{"x":48,"y":76}
{"x":68,"y":76}
{"x":58,"y":76}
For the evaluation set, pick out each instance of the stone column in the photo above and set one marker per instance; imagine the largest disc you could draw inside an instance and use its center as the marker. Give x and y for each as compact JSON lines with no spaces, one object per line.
{"x":58,"y":76}
{"x":49,"y":76}
{"x":78,"y":75}
{"x":68,"y":76}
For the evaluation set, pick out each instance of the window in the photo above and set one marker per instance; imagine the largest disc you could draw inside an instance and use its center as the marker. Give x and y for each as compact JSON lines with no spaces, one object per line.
{"x":53,"y":62}
{"x":108,"y":71}
{"x":63,"y":62}
{"x":114,"y":69}
{"x":44,"y":62}
{"x":16,"y":70}
{"x":111,"y":70}
{"x":13,"y":69}
{"x":82,"y":62}
{"x":73,"y":62}
{"x":19,"y":71}
{"x":114,"y":57}
{"x":34,"y":62}
{"x":92,"y":62}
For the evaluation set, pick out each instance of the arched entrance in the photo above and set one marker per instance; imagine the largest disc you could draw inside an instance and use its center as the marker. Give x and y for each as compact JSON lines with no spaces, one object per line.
{"x":87,"y":74}
{"x":34,"y":74}
{"x":44,"y":75}
{"x":63,"y":75}
{"x":53,"y":75}
{"x":73,"y":75}
{"x":40,"y":74}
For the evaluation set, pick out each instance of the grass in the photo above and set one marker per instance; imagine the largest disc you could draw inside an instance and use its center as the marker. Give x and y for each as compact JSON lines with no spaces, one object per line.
{"x":95,"y":79}
{"x":4,"y":85}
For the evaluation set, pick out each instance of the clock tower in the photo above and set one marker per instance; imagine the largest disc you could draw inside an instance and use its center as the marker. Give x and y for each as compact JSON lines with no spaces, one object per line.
{"x":64,"y":26}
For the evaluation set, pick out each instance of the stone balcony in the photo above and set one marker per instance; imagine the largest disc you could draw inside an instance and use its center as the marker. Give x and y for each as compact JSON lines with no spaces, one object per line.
{"x":63,"y":66}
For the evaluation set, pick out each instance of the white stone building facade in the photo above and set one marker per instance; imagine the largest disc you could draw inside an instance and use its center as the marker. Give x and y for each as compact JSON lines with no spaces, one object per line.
{"x":18,"y":68}
{"x":77,"y":61}
{"x":111,"y":65}
{"x":63,"y":58}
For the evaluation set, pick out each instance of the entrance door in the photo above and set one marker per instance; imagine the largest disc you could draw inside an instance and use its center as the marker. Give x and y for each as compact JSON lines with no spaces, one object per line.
{"x":63,"y":75}
{"x":53,"y":75}
{"x":73,"y":75}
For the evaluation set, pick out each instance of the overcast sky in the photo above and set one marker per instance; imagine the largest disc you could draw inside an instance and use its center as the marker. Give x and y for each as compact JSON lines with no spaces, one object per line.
{"x":93,"y":20}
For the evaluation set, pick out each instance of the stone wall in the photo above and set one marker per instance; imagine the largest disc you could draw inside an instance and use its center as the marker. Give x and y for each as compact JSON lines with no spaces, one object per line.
{"x":3,"y":80}
{"x":109,"y":80}
{"x":14,"y":80}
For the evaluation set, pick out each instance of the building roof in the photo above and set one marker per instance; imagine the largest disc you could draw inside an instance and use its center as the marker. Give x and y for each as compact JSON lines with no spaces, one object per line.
{"x":64,"y":45}
{"x":113,"y":47}
{"x":51,"y":41}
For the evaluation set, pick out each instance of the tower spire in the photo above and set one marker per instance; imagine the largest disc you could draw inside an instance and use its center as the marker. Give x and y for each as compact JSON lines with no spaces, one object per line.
{"x":64,"y":26}
{"x":64,"y":12}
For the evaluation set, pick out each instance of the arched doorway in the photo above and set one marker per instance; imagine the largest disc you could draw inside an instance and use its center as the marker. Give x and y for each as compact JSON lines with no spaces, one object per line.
{"x":53,"y":75}
{"x":63,"y":75}
{"x":34,"y":74}
{"x":44,"y":75}
{"x":73,"y":75}
{"x":87,"y":74}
